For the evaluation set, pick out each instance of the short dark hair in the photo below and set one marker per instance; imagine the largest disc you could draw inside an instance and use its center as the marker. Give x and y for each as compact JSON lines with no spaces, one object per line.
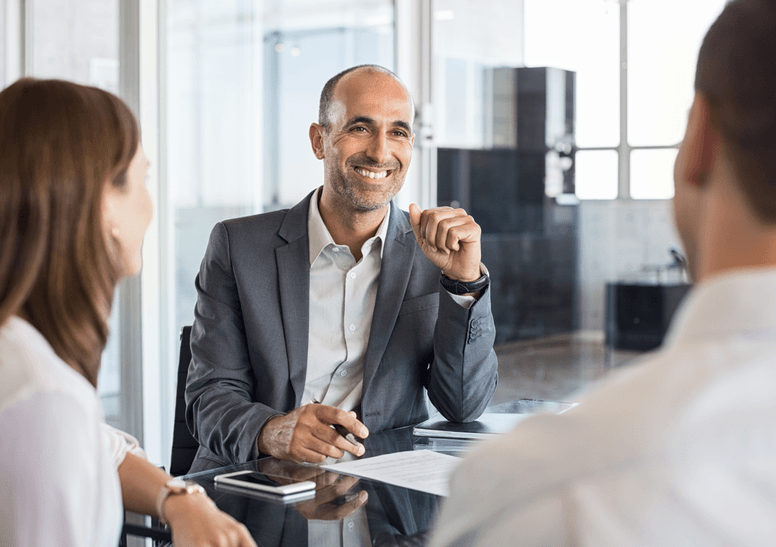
{"x":324,"y":107}
{"x":737,"y":74}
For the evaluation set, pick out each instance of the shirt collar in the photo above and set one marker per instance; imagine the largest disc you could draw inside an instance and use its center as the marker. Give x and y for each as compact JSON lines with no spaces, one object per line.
{"x":729,"y":304}
{"x":319,"y":235}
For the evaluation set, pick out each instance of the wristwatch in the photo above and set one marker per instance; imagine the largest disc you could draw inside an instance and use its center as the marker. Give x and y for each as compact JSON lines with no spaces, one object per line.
{"x":175,"y":487}
{"x":464,"y":287}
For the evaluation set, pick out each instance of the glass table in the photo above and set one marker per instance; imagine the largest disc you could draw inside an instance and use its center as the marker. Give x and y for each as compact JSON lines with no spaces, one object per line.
{"x":345,"y":511}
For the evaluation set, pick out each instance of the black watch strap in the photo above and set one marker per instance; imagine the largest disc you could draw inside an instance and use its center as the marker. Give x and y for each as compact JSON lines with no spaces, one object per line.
{"x":464,"y":287}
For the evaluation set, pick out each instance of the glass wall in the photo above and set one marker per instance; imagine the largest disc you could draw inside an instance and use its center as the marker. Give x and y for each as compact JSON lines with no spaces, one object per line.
{"x":3,"y":45}
{"x":242,"y":84}
{"x":583,"y":36}
{"x":468,"y":38}
{"x":79,"y":41}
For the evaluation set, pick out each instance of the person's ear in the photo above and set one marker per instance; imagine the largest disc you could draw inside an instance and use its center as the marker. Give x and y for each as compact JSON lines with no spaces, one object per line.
{"x":316,"y":140}
{"x":702,"y":143}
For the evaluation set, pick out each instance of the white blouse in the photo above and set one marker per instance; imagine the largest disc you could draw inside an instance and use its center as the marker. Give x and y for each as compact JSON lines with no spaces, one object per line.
{"x":59,"y":482}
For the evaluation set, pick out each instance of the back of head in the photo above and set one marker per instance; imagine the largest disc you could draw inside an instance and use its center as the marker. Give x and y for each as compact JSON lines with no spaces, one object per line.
{"x":60,"y":143}
{"x":737,"y":74}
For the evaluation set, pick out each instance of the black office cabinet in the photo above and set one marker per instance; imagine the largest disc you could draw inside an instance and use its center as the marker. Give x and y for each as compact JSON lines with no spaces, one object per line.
{"x":511,"y":190}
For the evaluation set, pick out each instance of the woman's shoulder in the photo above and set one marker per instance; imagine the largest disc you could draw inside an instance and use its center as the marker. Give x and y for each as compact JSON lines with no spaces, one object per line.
{"x":29,"y":366}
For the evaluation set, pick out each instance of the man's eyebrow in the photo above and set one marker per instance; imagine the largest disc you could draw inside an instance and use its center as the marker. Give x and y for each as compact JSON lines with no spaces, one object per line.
{"x":370,"y":121}
{"x":360,"y":119}
{"x":403,"y":125}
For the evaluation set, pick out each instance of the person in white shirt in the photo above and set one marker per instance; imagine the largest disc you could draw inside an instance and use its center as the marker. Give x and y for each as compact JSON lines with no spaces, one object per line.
{"x":680,"y":448}
{"x":73,"y":212}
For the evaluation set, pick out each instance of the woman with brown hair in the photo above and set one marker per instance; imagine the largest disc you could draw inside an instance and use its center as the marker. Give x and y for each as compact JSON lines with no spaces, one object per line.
{"x":73,"y":212}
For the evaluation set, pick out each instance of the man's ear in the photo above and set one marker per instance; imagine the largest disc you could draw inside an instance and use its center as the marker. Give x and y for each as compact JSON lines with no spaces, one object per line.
{"x":316,"y":140}
{"x":702,"y":142}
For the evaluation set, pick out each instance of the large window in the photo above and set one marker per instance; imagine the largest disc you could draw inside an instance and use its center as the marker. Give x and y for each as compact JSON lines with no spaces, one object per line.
{"x":635,"y":63}
{"x":468,"y":38}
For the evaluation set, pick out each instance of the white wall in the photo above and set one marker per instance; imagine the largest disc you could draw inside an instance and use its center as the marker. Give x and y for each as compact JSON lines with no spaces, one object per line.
{"x":617,"y":238}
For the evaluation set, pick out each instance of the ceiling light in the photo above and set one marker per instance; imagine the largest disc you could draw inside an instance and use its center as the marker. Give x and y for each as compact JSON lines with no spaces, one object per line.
{"x":444,"y":15}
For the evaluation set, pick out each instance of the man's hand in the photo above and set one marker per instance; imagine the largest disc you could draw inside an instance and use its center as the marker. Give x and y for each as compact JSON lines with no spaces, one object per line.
{"x":333,"y":498}
{"x":450,"y":239}
{"x":305,"y":434}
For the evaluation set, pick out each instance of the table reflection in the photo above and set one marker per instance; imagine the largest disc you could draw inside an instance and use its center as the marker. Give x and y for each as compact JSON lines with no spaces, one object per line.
{"x":346,"y":511}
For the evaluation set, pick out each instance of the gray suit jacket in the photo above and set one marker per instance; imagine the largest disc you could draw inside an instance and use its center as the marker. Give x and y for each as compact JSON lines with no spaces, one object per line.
{"x":250,"y":334}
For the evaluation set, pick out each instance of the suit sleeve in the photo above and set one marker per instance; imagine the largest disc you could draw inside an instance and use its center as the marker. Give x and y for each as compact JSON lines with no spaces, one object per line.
{"x":220,"y":411}
{"x":464,"y":372}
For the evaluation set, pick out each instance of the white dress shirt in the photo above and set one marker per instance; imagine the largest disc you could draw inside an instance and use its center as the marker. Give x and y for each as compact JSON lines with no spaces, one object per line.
{"x":59,"y":461}
{"x":342,"y":303}
{"x":679,"y":449}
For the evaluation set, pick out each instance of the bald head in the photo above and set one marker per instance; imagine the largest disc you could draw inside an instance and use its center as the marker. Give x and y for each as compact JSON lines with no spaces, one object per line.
{"x":369,"y":72}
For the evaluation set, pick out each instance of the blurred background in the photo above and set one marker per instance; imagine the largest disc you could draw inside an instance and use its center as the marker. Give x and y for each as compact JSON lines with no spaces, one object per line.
{"x":554,"y":122}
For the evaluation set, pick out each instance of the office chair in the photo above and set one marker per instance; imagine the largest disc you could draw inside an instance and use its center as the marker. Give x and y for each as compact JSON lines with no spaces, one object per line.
{"x":184,"y":445}
{"x":159,"y":536}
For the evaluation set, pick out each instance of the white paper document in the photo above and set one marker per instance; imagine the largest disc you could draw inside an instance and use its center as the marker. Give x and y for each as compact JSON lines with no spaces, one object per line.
{"x":421,"y":470}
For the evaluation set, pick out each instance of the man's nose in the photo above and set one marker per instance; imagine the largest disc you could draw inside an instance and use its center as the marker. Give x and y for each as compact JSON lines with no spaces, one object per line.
{"x":378,"y":149}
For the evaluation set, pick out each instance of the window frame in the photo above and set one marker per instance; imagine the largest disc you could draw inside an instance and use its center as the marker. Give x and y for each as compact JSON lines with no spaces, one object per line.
{"x":624,"y":149}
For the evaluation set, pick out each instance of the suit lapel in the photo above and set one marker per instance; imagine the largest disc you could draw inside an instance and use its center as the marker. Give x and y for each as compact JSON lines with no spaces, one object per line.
{"x":395,"y":271}
{"x":293,"y":261}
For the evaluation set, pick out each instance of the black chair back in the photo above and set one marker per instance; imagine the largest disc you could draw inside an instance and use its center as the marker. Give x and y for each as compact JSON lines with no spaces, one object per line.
{"x":184,"y":445}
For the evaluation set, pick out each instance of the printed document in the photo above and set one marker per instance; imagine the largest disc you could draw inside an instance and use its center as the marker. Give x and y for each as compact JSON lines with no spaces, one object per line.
{"x":421,"y":470}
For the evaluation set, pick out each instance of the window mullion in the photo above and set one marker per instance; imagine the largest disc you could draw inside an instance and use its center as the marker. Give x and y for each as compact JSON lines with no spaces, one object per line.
{"x":624,"y":148}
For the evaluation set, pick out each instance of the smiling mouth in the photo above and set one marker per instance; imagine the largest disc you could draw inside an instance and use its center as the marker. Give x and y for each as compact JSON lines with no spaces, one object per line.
{"x":372,"y":174}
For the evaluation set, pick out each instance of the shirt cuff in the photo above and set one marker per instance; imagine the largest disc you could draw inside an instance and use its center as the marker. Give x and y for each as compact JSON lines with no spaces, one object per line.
{"x":463,"y":301}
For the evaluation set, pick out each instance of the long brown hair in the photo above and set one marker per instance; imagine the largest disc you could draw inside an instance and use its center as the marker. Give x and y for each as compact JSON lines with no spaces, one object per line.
{"x":60,"y":143}
{"x":737,"y":74}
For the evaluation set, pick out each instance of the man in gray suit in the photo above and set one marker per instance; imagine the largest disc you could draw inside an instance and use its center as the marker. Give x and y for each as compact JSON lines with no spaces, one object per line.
{"x":342,"y":309}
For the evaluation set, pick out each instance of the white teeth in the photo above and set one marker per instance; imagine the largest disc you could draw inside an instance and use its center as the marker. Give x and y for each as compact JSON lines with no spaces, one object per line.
{"x":372,"y":174}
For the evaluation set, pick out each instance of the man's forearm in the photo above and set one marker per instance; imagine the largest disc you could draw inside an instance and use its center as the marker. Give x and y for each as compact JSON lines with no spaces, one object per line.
{"x":464,"y":372}
{"x":216,"y":413}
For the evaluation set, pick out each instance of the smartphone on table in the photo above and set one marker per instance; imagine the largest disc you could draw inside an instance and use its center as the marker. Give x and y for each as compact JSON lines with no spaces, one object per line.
{"x":258,"y":481}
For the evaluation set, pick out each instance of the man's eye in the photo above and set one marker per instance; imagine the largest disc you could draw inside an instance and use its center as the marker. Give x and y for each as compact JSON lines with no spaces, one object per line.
{"x":400,"y":133}
{"x":359,"y":129}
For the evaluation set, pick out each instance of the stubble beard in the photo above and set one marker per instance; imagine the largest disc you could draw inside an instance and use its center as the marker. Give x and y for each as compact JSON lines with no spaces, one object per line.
{"x":353,"y":194}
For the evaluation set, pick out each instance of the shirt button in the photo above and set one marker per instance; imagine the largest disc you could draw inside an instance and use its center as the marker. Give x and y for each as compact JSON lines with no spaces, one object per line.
{"x":350,"y":524}
{"x":352,"y":275}
{"x":352,"y":328}
{"x":336,"y":249}
{"x":344,"y":373}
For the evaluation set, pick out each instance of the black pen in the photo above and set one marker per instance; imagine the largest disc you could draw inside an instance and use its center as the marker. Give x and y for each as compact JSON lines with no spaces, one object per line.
{"x":341,"y":429}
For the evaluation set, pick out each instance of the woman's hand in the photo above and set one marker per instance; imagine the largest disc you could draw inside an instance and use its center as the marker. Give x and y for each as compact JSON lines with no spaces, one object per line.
{"x":197,"y":522}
